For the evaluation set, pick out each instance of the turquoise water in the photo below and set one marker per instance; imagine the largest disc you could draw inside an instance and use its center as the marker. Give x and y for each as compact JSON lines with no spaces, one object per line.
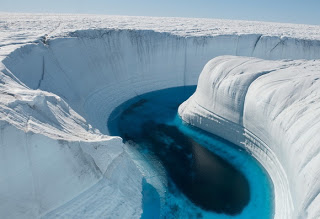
{"x":207,"y":176}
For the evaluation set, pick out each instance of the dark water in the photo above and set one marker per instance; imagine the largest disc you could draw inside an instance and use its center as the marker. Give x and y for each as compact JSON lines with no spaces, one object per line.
{"x":208,"y":180}
{"x":205,"y":178}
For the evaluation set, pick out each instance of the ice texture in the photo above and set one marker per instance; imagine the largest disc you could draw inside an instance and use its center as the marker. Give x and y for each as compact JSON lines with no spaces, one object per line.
{"x":270,"y":108}
{"x":50,"y":154}
{"x":62,"y":75}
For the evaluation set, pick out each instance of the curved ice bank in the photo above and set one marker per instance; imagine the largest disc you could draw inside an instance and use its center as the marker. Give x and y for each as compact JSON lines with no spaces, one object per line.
{"x":93,"y":69}
{"x":272,"y":109}
{"x":53,"y":88}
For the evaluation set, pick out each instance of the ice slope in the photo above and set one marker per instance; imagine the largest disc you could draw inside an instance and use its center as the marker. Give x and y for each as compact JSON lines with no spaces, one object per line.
{"x":49,"y":154}
{"x":61,"y":77}
{"x":273,"y":104}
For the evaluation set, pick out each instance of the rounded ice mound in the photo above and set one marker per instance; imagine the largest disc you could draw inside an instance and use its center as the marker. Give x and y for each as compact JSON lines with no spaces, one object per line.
{"x":272,"y":109}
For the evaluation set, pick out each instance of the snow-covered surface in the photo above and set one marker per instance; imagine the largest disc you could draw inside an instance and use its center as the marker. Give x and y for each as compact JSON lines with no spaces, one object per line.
{"x":62,"y":75}
{"x":49,"y":154}
{"x":23,"y":28}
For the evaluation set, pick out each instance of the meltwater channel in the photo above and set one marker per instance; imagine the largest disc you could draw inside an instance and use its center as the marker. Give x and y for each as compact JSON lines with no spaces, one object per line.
{"x":207,"y":177}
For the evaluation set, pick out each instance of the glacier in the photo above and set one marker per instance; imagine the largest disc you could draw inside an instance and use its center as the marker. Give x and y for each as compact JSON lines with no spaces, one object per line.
{"x":269,"y":108}
{"x":61,"y":76}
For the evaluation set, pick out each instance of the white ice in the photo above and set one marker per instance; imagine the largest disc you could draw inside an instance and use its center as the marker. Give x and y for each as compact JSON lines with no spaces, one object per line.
{"x":271,"y":108}
{"x":62,"y":75}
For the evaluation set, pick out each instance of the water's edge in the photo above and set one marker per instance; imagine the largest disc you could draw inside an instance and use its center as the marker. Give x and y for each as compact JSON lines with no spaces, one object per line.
{"x":205,"y":138}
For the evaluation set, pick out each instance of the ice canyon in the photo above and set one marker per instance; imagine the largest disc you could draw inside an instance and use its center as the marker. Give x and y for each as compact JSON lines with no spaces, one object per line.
{"x":61,"y":76}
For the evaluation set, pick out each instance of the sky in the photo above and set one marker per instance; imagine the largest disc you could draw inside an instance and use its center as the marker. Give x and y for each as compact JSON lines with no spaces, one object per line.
{"x":285,"y":11}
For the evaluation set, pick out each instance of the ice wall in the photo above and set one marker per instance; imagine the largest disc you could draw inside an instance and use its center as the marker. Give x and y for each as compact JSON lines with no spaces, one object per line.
{"x":87,"y":73}
{"x":271,"y":108}
{"x":93,"y":69}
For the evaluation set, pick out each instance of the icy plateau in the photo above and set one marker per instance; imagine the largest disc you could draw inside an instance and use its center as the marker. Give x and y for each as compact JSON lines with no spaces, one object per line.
{"x":61,"y":76}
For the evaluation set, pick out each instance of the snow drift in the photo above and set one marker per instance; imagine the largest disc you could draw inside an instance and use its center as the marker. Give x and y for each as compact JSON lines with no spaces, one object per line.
{"x":57,"y":93}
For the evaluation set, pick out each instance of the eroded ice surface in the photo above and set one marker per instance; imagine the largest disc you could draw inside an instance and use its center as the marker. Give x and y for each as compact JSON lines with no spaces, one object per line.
{"x":270,"y":103}
{"x":62,"y":75}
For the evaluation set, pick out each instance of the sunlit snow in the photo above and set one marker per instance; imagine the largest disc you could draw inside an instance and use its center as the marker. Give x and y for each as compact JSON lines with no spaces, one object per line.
{"x":61,"y":76}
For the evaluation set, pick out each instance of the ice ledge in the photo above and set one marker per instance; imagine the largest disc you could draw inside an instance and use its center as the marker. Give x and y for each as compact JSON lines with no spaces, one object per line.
{"x":270,"y":108}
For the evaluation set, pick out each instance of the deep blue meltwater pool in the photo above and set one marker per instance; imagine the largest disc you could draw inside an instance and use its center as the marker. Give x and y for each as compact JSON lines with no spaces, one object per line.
{"x":206,"y":176}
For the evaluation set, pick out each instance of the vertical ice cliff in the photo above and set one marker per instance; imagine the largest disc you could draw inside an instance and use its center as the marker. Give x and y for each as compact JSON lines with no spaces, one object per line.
{"x":90,"y":68}
{"x":271,"y":108}
{"x":61,"y":77}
